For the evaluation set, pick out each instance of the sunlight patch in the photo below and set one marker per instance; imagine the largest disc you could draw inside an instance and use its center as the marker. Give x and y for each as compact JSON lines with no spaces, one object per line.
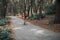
{"x":39,"y":32}
{"x":33,"y":29}
{"x":18,"y":28}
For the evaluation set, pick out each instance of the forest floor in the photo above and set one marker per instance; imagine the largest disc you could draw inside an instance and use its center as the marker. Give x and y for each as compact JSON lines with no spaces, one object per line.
{"x":44,"y":23}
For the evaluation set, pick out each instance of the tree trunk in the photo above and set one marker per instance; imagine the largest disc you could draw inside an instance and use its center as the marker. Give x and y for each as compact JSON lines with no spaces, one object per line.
{"x":31,"y":8}
{"x":4,"y":8}
{"x":28,"y":10}
{"x":40,"y":7}
{"x":57,"y":16}
{"x":35,"y":9}
{"x":31,"y":12}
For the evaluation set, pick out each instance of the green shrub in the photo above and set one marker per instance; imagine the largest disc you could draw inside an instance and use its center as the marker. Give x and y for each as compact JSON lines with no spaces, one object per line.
{"x":33,"y":17}
{"x":43,"y":15}
{"x":37,"y":16}
{"x":3,"y":21}
{"x":52,"y":20}
{"x":5,"y":34}
{"x":50,"y":9}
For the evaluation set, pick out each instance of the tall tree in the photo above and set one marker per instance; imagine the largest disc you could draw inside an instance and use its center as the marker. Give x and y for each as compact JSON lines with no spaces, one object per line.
{"x":28,"y":6}
{"x":40,"y":3}
{"x":24,"y":7}
{"x":35,"y":8}
{"x":57,"y":16}
{"x":31,"y":2}
{"x":32,"y":6}
{"x":4,"y":9}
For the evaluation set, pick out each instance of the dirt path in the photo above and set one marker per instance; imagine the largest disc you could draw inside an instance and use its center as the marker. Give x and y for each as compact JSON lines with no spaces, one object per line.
{"x":30,"y":31}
